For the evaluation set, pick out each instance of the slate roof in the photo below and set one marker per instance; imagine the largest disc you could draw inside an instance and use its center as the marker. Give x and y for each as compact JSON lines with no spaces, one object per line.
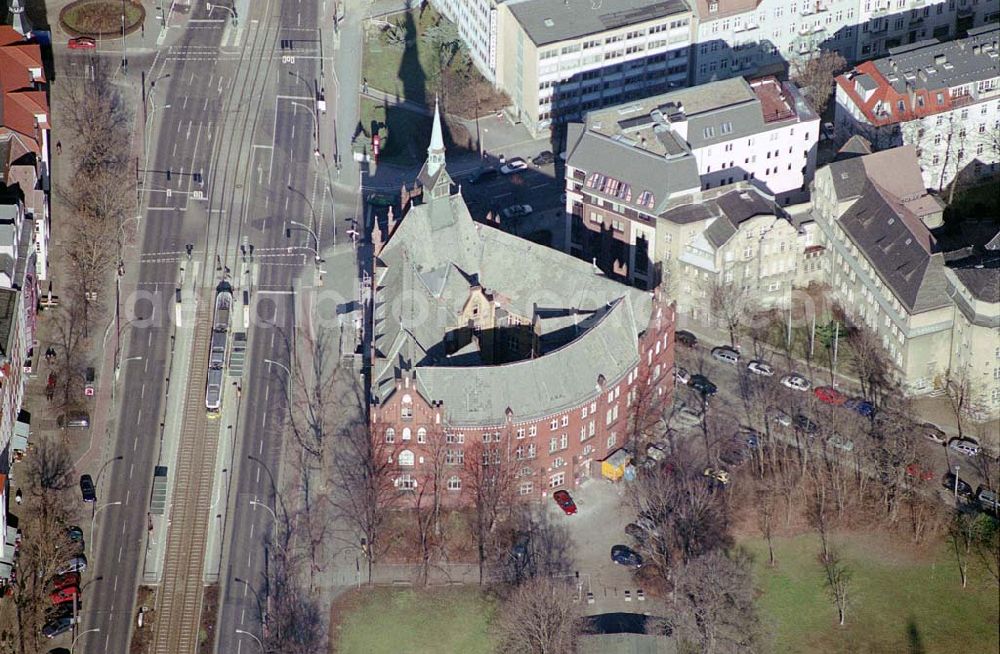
{"x":552,"y":21}
{"x":425,"y":272}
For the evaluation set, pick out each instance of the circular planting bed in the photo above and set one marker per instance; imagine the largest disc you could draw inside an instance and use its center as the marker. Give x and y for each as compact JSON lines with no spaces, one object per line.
{"x":100,"y":18}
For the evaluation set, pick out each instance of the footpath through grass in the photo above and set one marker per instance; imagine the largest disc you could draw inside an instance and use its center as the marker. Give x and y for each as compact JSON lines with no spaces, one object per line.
{"x":390,"y":621}
{"x":899,"y":601}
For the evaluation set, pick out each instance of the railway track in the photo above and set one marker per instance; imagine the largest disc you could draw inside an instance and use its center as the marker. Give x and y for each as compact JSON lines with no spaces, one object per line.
{"x":178,"y":606}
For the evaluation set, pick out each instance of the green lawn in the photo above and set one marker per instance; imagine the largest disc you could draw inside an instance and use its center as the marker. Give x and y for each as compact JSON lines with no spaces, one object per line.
{"x":403,"y":71}
{"x":392,"y":621}
{"x":898,"y":602}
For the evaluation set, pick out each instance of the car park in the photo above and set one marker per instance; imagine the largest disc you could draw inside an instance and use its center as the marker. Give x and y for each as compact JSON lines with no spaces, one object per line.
{"x":841,"y":443}
{"x":964,"y":446}
{"x":948,"y":481}
{"x":76,"y":564}
{"x":57,"y":626}
{"x":62,"y":595}
{"x":934,"y":433}
{"x":717,"y":474}
{"x":87,"y":489}
{"x":514,"y":165}
{"x":758,"y":367}
{"x":804,"y":424}
{"x":686,"y":338}
{"x":625,"y":555}
{"x":82,"y":43}
{"x":483,"y":175}
{"x":544,"y":158}
{"x":796,"y":382}
{"x":779,"y":417}
{"x":565,"y":502}
{"x":686,"y":416}
{"x":860,"y":406}
{"x":702,"y":384}
{"x":829,"y":395}
{"x":517,"y":211}
{"x":726,"y":354}
{"x":917,"y":471}
{"x":681,"y":375}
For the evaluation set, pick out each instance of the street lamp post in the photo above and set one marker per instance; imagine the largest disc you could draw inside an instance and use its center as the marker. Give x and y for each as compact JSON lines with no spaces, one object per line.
{"x":72,"y":646}
{"x":288,"y":386}
{"x":241,"y":632}
{"x":315,"y":123}
{"x":93,"y":521}
{"x":97,"y":479}
{"x":260,"y":607}
{"x":288,"y":234}
{"x":957,"y":468}
{"x":210,"y":6}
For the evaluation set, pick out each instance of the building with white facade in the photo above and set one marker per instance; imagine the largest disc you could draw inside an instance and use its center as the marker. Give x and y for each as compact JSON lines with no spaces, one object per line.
{"x":560,"y":58}
{"x":756,"y":37}
{"x":942,"y":98}
{"x":476,"y":21}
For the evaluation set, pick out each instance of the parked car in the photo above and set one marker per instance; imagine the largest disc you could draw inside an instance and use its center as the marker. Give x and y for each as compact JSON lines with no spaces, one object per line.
{"x":87,"y":489}
{"x":758,"y":367}
{"x":829,"y":395}
{"x":934,"y":433}
{"x":514,"y":165}
{"x":655,"y":452}
{"x":777,"y":416}
{"x":726,"y":354}
{"x":625,"y":555}
{"x":841,"y":443}
{"x":517,"y":211}
{"x":987,"y":499}
{"x":964,"y":446}
{"x":948,"y":481}
{"x":74,"y":533}
{"x":57,"y":626}
{"x":702,"y":384}
{"x":686,"y":338}
{"x":860,"y":406}
{"x":483,"y":175}
{"x":917,"y":471}
{"x":565,"y":502}
{"x":63,"y":595}
{"x":74,"y":420}
{"x":76,"y":564}
{"x":67,"y":580}
{"x":82,"y":43}
{"x":544,"y":158}
{"x":804,"y":424}
{"x":681,"y":375}
{"x":686,"y":416}
{"x":748,"y":437}
{"x":796,"y":382}
{"x":636,"y":532}
{"x":717,"y":474}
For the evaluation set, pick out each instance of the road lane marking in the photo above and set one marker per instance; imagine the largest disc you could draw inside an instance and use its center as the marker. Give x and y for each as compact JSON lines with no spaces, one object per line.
{"x":135,"y":442}
{"x":130,"y":469}
{"x":138,"y":418}
{"x":251,"y":530}
{"x":121,"y":550}
{"x":116,"y":584}
{"x":127,"y":492}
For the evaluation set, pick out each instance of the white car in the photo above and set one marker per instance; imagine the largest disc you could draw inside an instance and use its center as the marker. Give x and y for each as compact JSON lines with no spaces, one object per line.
{"x":796,"y":382}
{"x":760,"y":368}
{"x":513,"y":165}
{"x":517,"y":211}
{"x":966,"y":447}
{"x":687,"y":417}
{"x":841,"y":443}
{"x":777,"y":415}
{"x":681,"y":375}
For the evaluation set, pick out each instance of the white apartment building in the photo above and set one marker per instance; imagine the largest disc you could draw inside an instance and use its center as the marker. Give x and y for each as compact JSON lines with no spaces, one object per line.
{"x":476,"y":21}
{"x":757,"y":37}
{"x":560,"y":58}
{"x":942,"y":98}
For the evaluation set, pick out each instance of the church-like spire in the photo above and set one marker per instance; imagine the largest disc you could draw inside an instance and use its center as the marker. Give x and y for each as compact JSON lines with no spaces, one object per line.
{"x":18,"y":19}
{"x":435,"y":151}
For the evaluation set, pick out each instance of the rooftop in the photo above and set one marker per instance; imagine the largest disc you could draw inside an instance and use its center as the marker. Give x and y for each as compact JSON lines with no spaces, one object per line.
{"x":723,"y":8}
{"x":552,"y":21}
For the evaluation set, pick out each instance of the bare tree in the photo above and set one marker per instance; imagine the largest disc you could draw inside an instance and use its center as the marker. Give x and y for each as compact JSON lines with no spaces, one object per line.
{"x":731,"y":304}
{"x":648,"y":409}
{"x":295,"y":623}
{"x":838,"y":580}
{"x":490,"y":477}
{"x":871,"y":363}
{"x":714,"y":604}
{"x":536,"y":618}
{"x":764,"y":503}
{"x":815,"y":76}
{"x":962,"y":535}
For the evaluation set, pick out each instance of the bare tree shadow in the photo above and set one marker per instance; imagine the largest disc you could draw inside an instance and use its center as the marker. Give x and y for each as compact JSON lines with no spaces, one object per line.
{"x":914,"y":641}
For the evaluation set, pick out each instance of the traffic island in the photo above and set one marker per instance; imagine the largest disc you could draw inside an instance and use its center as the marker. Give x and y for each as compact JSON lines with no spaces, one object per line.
{"x":101,"y":18}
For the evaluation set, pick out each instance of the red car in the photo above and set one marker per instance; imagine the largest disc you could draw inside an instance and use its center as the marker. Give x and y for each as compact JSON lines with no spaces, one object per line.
{"x":565,"y":502}
{"x":830,"y":395}
{"x":914,"y":470}
{"x":64,"y":595}
{"x":67,"y":580}
{"x":82,"y":43}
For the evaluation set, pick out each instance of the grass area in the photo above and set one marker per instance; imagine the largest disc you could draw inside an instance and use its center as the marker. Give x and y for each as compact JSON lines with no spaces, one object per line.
{"x":389,"y":621}
{"x":404,"y":71}
{"x":899,"y":601}
{"x":101,"y":16}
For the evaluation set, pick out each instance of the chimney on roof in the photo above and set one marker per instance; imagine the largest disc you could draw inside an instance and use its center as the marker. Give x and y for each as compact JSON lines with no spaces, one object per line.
{"x":940,"y":59}
{"x":892,"y":63}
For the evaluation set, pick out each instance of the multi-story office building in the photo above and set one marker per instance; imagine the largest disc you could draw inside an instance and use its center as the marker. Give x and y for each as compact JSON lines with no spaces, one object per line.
{"x":476,"y":21}
{"x":559,"y":59}
{"x":755,"y":37}
{"x":942,"y":98}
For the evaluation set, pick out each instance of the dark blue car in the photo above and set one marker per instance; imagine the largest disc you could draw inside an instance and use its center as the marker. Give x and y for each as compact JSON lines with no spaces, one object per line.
{"x":861,"y":406}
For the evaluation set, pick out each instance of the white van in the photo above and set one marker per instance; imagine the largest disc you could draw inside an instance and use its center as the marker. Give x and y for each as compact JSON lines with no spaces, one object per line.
{"x":968,"y":448}
{"x":726,"y":354}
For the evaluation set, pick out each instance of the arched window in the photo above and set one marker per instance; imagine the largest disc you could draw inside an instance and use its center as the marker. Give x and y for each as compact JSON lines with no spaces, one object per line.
{"x":390,"y":435}
{"x":406,"y":433}
{"x":406,"y":458}
{"x":421,"y":435}
{"x":454,"y":483}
